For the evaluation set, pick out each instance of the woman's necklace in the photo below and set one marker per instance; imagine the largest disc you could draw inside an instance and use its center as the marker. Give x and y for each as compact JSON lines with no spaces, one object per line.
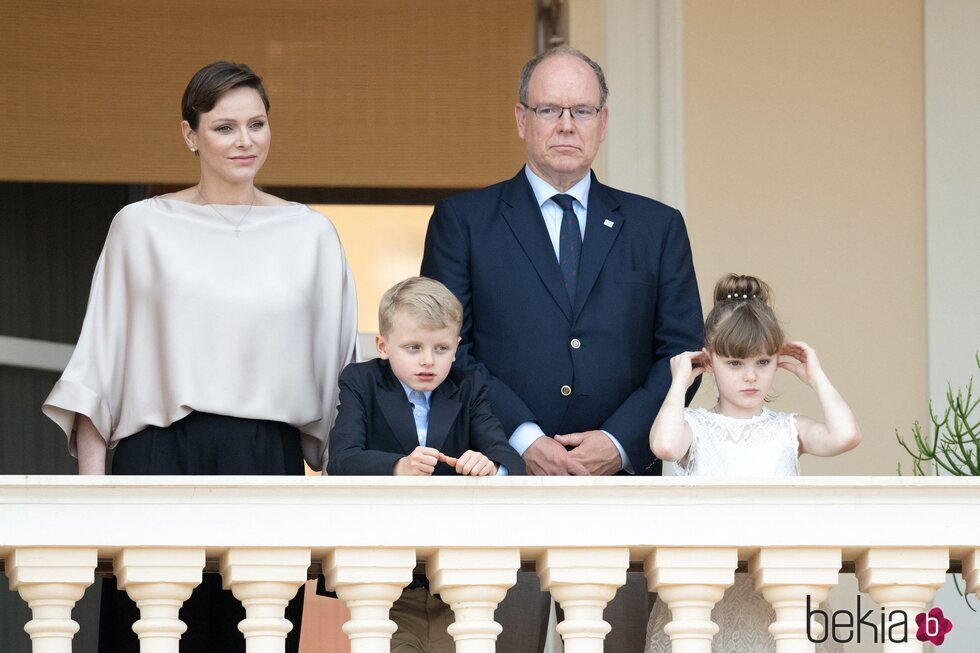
{"x":223,"y":217}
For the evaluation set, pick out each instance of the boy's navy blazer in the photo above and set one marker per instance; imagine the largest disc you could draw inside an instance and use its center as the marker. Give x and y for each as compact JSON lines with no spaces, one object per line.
{"x":375,"y":426}
{"x":636,"y":306}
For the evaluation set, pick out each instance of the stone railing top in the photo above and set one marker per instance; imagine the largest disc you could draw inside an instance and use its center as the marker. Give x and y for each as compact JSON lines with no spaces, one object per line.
{"x":527,"y":512}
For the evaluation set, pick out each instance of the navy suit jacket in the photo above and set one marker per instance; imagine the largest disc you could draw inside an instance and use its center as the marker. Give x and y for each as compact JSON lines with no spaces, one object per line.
{"x":375,"y":426}
{"x":636,"y":306}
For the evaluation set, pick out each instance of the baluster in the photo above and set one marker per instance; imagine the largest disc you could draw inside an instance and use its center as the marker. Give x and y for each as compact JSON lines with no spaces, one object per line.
{"x":473,"y":582}
{"x":905,"y":580}
{"x":159,"y":581}
{"x":690,"y":581}
{"x":369,"y":581}
{"x":265,"y":580}
{"x":583,"y":581}
{"x":971,"y":571}
{"x":51,"y":580}
{"x":786,"y":577}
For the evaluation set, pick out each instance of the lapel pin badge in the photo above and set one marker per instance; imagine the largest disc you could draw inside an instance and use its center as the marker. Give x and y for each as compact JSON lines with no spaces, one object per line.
{"x":608,"y":223}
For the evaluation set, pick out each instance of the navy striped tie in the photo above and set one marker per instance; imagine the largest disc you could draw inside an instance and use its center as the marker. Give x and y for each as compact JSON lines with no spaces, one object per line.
{"x":569,"y":243}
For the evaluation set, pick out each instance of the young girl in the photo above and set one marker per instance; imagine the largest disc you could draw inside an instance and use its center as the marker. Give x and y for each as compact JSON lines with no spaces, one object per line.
{"x":740,"y":436}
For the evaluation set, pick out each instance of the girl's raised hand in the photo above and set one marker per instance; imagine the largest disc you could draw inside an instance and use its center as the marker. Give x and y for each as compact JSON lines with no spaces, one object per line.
{"x":805,"y":364}
{"x":686,"y":367}
{"x":839,"y":431}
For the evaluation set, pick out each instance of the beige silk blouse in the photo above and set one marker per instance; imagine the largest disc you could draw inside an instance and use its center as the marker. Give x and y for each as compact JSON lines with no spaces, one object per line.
{"x":186,"y":315}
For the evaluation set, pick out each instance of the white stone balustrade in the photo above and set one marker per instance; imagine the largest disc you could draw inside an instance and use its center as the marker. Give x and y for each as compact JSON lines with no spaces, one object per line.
{"x":472,"y":533}
{"x":691,"y":581}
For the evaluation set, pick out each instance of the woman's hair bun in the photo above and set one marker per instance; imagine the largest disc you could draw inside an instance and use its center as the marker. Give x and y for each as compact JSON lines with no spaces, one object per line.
{"x":742,"y":287}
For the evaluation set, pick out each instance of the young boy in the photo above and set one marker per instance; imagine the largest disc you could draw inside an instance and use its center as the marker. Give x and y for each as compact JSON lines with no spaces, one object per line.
{"x":409,"y":413}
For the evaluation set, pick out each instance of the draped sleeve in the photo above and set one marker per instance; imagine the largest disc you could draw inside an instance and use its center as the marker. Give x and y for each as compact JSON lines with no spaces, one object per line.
{"x":336,"y":347}
{"x":91,"y":384}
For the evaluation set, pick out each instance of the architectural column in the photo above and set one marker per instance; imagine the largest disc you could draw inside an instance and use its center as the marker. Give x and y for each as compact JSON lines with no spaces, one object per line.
{"x":583,"y":581}
{"x":790,"y":579}
{"x":639,"y":44}
{"x":904,"y":580}
{"x":265,"y":580}
{"x":971,"y":571}
{"x":691,"y":581}
{"x":473,"y":582}
{"x":51,"y":580}
{"x":369,"y":581}
{"x":159,"y":581}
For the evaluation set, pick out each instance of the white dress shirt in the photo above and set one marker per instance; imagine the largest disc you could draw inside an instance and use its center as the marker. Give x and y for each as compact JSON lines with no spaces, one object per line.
{"x":525,"y":434}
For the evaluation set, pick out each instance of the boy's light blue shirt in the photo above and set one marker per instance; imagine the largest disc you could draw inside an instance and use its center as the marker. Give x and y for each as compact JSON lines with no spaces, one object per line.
{"x":420,"y":411}
{"x":525,"y":434}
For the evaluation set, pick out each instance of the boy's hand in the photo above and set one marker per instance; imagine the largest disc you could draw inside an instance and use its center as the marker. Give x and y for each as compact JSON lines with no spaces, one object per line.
{"x":421,"y":462}
{"x":682,"y":367}
{"x":471,"y":463}
{"x":806,"y":365}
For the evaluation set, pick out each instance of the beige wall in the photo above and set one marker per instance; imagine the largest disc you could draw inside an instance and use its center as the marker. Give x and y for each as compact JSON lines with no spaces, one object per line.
{"x":384,"y":245}
{"x":804,"y":165}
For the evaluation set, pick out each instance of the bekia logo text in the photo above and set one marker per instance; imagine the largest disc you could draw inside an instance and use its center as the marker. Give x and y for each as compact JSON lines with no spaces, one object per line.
{"x":843,"y":626}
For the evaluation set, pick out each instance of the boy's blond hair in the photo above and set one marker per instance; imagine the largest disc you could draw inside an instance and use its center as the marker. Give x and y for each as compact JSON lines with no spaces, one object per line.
{"x":425,"y":299}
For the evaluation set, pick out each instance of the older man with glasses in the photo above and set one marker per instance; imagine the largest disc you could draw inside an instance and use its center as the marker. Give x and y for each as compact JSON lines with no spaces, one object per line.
{"x":575,"y":297}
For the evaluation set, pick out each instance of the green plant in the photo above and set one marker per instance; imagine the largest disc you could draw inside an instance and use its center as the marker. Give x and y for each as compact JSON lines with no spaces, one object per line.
{"x":955,"y":443}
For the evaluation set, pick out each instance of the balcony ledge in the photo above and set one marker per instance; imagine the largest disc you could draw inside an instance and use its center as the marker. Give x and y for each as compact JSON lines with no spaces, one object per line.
{"x":529,"y":513}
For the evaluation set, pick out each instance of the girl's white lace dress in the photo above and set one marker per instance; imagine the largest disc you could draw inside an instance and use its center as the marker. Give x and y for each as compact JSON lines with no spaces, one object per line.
{"x":765,"y":445}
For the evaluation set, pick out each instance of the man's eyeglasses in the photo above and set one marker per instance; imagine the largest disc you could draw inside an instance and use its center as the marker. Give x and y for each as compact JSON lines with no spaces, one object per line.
{"x":553,"y":113}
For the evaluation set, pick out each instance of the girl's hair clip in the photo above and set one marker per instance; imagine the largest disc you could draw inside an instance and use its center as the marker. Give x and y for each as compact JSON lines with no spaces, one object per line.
{"x":744,"y":296}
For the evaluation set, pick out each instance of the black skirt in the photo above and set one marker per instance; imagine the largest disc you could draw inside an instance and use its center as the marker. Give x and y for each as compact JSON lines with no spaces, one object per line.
{"x":202,"y":444}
